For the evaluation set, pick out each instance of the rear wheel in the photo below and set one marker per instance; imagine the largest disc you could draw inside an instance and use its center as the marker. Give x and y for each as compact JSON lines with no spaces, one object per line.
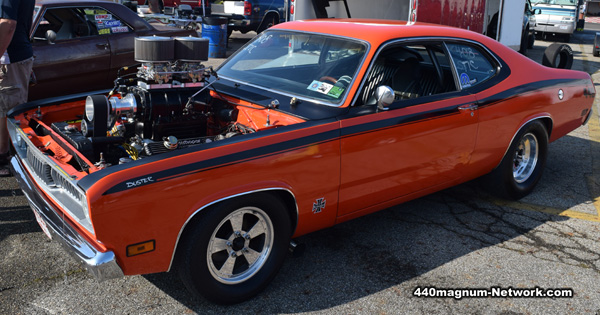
{"x":522,"y":166}
{"x":524,"y":41}
{"x":531,"y":41}
{"x":235,"y":249}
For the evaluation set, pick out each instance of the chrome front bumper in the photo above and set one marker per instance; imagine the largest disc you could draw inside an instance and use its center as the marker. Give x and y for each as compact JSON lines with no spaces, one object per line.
{"x":555,"y":28}
{"x":102,"y":265}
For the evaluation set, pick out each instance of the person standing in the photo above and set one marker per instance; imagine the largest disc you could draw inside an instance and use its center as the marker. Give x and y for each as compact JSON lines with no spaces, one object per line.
{"x":15,"y":64}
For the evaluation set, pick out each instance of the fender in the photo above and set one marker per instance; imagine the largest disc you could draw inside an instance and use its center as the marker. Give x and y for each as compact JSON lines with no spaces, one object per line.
{"x":269,"y":12}
{"x":539,"y":116}
{"x":231,"y":196}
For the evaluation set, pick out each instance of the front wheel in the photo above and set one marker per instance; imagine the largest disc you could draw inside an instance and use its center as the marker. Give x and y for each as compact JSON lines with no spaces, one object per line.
{"x":522,"y":166}
{"x":235,"y":249}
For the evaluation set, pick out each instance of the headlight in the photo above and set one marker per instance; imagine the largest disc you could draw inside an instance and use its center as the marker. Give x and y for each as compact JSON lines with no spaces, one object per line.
{"x":19,"y":141}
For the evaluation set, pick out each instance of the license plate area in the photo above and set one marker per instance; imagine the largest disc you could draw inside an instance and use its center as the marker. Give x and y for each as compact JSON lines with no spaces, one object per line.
{"x":42,"y":224}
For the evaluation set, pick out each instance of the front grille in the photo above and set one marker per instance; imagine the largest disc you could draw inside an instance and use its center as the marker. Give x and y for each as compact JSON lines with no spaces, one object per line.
{"x":61,"y":181}
{"x":53,"y":178}
{"x":41,"y":169}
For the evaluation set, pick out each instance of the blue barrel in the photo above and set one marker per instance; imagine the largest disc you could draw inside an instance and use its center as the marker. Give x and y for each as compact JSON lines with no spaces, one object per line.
{"x":215,"y":29}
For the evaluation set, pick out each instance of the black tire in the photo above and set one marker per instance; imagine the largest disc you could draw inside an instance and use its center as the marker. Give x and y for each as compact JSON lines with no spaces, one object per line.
{"x":558,"y":56}
{"x":530,"y":41}
{"x":524,"y":41}
{"x":270,"y":20}
{"x":204,"y":274}
{"x":507,"y":180}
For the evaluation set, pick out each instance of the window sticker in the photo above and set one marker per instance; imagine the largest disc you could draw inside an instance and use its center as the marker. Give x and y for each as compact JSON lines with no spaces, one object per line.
{"x":465,"y":81}
{"x":112,"y":23}
{"x":120,"y":29}
{"x":103,"y":17}
{"x":104,"y":31}
{"x":336,"y":91}
{"x":320,"y":87}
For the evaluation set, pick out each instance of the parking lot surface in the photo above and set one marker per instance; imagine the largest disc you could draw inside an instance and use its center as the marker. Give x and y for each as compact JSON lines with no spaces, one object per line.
{"x":458,"y":238}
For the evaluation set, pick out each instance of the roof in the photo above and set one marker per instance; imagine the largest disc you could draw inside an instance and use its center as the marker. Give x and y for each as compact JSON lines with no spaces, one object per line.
{"x":378,"y":31}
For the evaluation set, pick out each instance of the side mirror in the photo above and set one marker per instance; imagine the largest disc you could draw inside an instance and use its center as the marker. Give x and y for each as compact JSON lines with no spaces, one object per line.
{"x":384,"y":96}
{"x":50,"y":36}
{"x":537,"y":11}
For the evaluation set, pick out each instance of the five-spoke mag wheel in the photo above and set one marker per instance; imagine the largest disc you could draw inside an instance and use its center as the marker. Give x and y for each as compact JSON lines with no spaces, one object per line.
{"x":240,"y":245}
{"x":232,"y":250}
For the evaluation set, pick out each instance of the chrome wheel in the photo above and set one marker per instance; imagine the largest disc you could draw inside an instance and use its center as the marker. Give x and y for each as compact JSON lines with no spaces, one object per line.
{"x":526,"y":158}
{"x":240,"y":245}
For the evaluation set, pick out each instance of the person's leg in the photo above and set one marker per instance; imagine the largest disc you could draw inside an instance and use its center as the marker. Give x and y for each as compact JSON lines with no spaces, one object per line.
{"x":14,"y":86}
{"x":4,"y":139}
{"x":4,"y":144}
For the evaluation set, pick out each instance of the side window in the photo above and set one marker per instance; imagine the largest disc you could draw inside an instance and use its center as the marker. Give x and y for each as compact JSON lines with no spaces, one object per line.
{"x":472,"y":66}
{"x":105,"y":22}
{"x":410,"y":71}
{"x":76,"y":22}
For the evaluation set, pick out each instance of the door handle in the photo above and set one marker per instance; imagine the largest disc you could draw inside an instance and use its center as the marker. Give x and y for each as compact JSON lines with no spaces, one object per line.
{"x":467,"y":107}
{"x":105,"y":46}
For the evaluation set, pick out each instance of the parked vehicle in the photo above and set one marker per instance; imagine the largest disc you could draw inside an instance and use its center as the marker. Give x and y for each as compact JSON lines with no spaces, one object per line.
{"x":310,"y":124}
{"x":557,"y":17}
{"x":251,"y":15}
{"x":79,"y":46}
{"x":196,"y":5}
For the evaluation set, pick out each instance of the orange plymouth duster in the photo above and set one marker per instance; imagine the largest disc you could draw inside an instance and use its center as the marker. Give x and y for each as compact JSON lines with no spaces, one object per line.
{"x":211,"y":173}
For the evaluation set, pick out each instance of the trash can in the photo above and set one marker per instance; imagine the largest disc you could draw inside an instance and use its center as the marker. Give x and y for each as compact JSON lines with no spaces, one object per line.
{"x":215,"y":30}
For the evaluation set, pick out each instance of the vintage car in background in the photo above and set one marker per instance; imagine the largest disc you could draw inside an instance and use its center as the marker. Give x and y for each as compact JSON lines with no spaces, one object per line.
{"x":80,"y":45}
{"x":310,"y":124}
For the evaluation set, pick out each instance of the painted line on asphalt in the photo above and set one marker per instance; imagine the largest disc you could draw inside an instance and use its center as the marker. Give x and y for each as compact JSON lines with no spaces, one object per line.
{"x":532,"y":207}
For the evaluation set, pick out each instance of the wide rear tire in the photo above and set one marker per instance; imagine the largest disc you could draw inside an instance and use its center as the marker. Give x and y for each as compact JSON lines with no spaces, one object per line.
{"x":521,"y":168}
{"x":235,"y":249}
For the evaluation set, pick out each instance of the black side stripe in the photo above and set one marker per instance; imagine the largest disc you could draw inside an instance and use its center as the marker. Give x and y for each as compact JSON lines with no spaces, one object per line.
{"x":397,"y":121}
{"x":226,"y":160}
{"x":328,"y":136}
{"x":527,"y":88}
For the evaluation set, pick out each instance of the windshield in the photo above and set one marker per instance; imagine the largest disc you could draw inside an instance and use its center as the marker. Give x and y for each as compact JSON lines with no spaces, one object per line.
{"x":557,"y":2}
{"x":305,"y":65}
{"x":36,"y":9}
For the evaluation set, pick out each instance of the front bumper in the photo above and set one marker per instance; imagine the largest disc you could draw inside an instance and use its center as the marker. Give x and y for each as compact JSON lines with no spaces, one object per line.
{"x":102,"y":265}
{"x":555,"y":28}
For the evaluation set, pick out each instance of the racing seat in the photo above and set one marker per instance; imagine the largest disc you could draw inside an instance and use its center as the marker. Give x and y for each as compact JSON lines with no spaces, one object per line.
{"x":381,"y":74}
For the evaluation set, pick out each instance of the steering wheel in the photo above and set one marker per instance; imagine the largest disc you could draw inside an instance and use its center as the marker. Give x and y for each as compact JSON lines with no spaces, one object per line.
{"x":328,"y":78}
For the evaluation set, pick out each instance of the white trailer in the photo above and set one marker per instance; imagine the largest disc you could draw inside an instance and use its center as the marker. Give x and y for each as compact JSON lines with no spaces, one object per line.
{"x":513,"y":26}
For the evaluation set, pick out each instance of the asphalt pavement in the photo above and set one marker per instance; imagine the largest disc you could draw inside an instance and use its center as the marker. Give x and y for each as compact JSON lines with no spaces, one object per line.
{"x":458,"y":238}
